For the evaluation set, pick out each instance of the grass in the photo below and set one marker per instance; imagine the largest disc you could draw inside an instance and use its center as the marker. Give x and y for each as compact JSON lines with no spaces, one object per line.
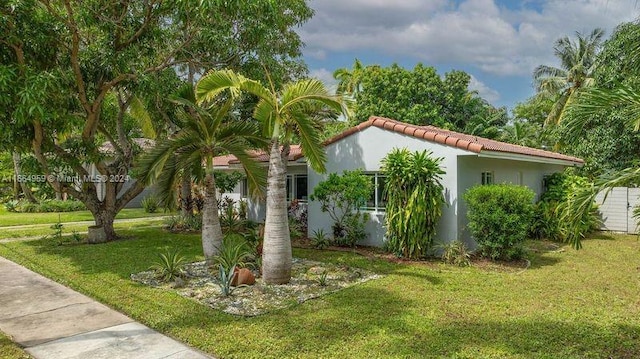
{"x":18,"y":219}
{"x":10,"y":350}
{"x":567,"y":304}
{"x":44,"y":229}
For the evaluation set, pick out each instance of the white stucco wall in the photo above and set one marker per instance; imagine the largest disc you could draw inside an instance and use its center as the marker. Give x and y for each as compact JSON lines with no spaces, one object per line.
{"x":365,"y":150}
{"x":470,"y":168}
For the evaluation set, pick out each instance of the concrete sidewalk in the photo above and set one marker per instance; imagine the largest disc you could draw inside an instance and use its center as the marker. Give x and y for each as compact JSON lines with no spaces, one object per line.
{"x":52,"y":321}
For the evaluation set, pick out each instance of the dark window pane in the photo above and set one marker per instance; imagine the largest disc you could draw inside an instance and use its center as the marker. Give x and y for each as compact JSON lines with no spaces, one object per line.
{"x":371,"y":201}
{"x":289,"y":188}
{"x":382,"y":198}
{"x":301,"y":188}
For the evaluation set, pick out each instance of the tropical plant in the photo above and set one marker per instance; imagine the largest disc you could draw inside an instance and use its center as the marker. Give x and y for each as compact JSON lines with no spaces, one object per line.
{"x":414,"y":201}
{"x":351,"y":230}
{"x":322,"y":278}
{"x":170,"y":265}
{"x":622,"y":94}
{"x":284,"y":116}
{"x":320,"y":239}
{"x":182,"y":223}
{"x":235,"y":252}
{"x":456,"y":253}
{"x":500,"y":218}
{"x":349,"y":81}
{"x":578,"y":62}
{"x":342,"y":195}
{"x":150,"y":204}
{"x":225,"y":278}
{"x":203,"y":134}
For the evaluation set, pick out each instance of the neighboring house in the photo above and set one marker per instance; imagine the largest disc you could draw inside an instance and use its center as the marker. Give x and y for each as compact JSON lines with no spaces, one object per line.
{"x":467,"y":160}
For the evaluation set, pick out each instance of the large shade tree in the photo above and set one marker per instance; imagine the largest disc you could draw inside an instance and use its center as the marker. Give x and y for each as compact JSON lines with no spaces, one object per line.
{"x":577,"y":65}
{"x":203,"y":135}
{"x":285,"y":117}
{"x":76,"y":68}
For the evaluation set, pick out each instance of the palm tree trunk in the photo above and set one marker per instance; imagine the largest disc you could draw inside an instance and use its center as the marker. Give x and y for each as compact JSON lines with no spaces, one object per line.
{"x":211,"y":229}
{"x":276,"y":255}
{"x":17,"y":167}
{"x":186,"y":200}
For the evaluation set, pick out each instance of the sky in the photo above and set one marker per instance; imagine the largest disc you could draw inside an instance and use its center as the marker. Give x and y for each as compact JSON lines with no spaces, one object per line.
{"x":497,"y":42}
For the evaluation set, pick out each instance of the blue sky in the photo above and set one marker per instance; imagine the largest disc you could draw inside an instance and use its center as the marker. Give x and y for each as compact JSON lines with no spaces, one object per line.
{"x":498,"y":42}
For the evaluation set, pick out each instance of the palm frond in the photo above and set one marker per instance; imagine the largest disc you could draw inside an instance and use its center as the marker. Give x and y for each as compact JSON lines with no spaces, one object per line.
{"x":311,"y":143}
{"x":139,"y":112}
{"x":215,"y":83}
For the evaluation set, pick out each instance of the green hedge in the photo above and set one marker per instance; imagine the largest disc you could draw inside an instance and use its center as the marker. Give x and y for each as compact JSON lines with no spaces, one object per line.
{"x":48,"y":205}
{"x":500,"y":217}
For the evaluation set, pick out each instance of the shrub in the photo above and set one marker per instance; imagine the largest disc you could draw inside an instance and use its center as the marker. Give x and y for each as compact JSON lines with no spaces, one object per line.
{"x":297,"y":219}
{"x":11,"y":206}
{"x":456,"y":253}
{"x":341,"y":196}
{"x":320,"y":239}
{"x":182,"y":223}
{"x":351,"y":231}
{"x":235,"y":252}
{"x":414,"y":201}
{"x":230,"y":220}
{"x":561,"y":190}
{"x":500,"y":217}
{"x":170,"y":265}
{"x":150,"y":204}
{"x":47,"y":205}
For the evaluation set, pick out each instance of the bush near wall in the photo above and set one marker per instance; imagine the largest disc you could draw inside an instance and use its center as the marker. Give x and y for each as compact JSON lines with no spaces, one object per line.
{"x":560,"y":189}
{"x":500,"y":217}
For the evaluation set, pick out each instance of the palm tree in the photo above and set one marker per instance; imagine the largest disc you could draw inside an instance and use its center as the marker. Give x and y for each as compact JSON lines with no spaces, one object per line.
{"x":203,"y":135}
{"x":349,"y":79}
{"x":284,"y":116}
{"x":578,"y":62}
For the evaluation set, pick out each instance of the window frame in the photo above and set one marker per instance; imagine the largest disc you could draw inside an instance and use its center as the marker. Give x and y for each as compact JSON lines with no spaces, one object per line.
{"x":378,"y":194}
{"x":487,"y":178}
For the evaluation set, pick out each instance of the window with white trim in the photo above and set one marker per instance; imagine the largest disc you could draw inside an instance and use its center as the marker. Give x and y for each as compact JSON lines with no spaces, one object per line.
{"x":377,"y":201}
{"x":244,"y":188}
{"x":487,"y":177}
{"x":297,"y":187}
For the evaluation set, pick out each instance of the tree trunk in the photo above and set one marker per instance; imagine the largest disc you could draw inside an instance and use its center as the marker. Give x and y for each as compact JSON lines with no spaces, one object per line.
{"x":186,"y":200}
{"x":24,"y":187}
{"x":276,"y":254}
{"x":104,"y":218}
{"x":211,"y":229}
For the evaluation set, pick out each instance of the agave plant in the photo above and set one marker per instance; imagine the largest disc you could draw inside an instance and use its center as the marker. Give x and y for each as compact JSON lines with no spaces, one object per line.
{"x":170,"y":265}
{"x":235,"y":252}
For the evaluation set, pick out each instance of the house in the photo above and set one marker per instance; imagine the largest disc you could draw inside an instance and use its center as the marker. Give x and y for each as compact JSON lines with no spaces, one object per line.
{"x":467,"y":160}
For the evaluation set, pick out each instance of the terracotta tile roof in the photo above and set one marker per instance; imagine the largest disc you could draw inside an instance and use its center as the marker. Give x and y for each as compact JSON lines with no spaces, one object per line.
{"x":294,"y":154}
{"x":450,"y":138}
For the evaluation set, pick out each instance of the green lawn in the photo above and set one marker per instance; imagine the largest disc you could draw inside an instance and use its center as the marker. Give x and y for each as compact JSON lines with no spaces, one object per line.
{"x":568,"y":304}
{"x":9,"y":350}
{"x":45,"y":229}
{"x":17,"y":219}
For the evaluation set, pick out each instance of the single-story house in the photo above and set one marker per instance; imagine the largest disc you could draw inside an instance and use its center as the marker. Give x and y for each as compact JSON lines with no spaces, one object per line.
{"x":467,"y":160}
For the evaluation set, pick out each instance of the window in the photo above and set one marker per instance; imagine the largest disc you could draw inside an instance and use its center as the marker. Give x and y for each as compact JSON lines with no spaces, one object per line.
{"x":297,"y":187}
{"x":377,"y":200}
{"x":244,"y":188}
{"x":487,"y":178}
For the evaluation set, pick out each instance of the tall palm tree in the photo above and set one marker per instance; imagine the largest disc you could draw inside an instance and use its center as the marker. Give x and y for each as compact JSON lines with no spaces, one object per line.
{"x":577,"y":64}
{"x":349,"y":79}
{"x":203,"y":135}
{"x":284,"y":116}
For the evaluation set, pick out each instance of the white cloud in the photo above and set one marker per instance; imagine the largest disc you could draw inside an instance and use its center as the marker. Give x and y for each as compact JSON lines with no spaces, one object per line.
{"x":326,"y":77}
{"x":477,"y":33}
{"x":484,"y":91}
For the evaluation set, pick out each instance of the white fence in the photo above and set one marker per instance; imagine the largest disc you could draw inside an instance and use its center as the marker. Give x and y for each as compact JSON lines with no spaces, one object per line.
{"x":617,"y":209}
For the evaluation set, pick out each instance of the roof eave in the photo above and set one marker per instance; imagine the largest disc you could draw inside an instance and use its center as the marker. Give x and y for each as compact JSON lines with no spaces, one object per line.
{"x":529,"y":158}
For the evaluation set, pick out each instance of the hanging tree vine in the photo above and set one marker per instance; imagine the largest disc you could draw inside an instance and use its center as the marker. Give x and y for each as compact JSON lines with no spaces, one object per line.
{"x":414,"y":201}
